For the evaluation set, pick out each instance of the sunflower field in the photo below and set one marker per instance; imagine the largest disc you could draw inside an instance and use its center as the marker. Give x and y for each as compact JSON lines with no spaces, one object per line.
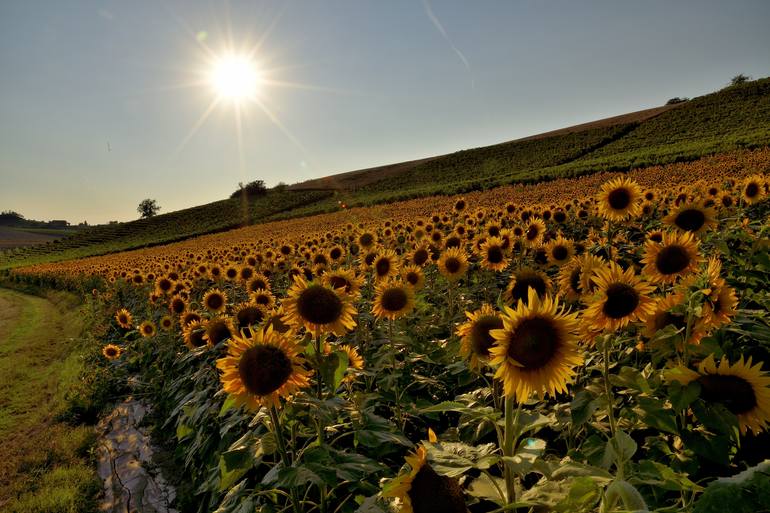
{"x":591,"y":344}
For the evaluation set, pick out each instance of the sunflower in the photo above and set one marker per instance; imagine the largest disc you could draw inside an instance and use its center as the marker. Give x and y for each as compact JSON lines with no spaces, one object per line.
{"x":521,"y":281}
{"x":475,"y":337}
{"x":753,"y":189}
{"x":453,"y":263}
{"x":187,"y":317}
{"x":166,"y":323}
{"x":559,"y":250}
{"x":392,"y":300}
{"x":419,"y":256}
{"x":258,"y":281}
{"x":618,"y":199}
{"x":493,"y":256}
{"x":148,"y":329}
{"x":177,"y":305}
{"x":719,"y":308}
{"x":263,"y":298}
{"x":215,"y":301}
{"x":345,"y":279}
{"x":536,"y":350}
{"x":423,"y":490}
{"x":248,"y":314}
{"x":355,"y":361}
{"x":111,"y":351}
{"x":385,"y":264}
{"x":124,"y":319}
{"x":534,"y":232}
{"x":218,"y":329}
{"x":319,"y":307}
{"x":194,"y":335}
{"x":621,"y":297}
{"x":163,"y":285}
{"x":413,"y":276}
{"x":260,"y":369}
{"x":575,"y":277}
{"x":741,"y":387}
{"x":692,"y":217}
{"x":676,"y":255}
{"x":665,"y":314}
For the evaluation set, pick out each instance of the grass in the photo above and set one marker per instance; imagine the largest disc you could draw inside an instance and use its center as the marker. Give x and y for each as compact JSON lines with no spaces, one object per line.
{"x":44,"y":464}
{"x":733,"y":118}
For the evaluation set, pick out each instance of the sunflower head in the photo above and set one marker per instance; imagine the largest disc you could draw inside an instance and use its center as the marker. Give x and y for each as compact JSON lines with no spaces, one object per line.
{"x":218,"y":329}
{"x":453,"y":264}
{"x":147,"y":329}
{"x":619,"y":199}
{"x":166,"y":323}
{"x":753,"y":189}
{"x":559,"y":251}
{"x":319,"y":307}
{"x":523,"y":280}
{"x":413,"y":276}
{"x":215,"y":301}
{"x":621,"y":297}
{"x":475,"y":337}
{"x":675,"y":256}
{"x":111,"y":351}
{"x":249,"y":314}
{"x":392,"y":299}
{"x":536,"y":350}
{"x":260,"y":369}
{"x":692,"y":217}
{"x":123,"y":318}
{"x":493,"y":255}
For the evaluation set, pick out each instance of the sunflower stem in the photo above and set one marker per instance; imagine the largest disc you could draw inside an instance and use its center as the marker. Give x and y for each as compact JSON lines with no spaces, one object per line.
{"x":509,"y":444}
{"x":610,"y":406}
{"x":283,"y":453}
{"x":396,"y":390}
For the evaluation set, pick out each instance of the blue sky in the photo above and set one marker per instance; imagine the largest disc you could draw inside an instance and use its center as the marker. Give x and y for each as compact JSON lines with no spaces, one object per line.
{"x":98,"y":97}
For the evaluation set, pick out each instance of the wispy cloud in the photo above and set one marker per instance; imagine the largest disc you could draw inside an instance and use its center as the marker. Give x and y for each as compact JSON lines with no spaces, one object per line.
{"x":436,"y":23}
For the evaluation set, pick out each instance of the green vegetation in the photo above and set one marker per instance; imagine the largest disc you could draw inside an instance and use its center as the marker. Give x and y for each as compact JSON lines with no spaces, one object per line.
{"x":736,"y":117}
{"x":44,"y":464}
{"x":162,"y":229}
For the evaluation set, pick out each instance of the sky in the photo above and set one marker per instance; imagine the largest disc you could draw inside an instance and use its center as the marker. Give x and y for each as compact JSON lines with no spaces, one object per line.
{"x":102,"y":103}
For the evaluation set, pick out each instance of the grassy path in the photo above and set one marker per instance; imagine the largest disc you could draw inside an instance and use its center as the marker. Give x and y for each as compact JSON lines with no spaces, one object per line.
{"x":42,"y":462}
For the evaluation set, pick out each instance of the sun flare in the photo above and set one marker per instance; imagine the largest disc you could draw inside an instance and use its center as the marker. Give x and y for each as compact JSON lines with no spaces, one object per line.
{"x":235,"y":77}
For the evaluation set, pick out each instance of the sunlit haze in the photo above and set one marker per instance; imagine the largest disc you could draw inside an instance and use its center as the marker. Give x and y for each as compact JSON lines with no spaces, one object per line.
{"x":104,"y":103}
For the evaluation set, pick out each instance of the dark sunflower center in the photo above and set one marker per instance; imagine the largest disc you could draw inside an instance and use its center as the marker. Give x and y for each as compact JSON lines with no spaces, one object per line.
{"x":480,"y":337}
{"x":574,"y":280}
{"x":123,"y":319}
{"x":339,"y":282}
{"x":196,"y":338}
{"x":247,"y":272}
{"x":493,"y":231}
{"x":191,"y":317}
{"x":495,"y":254}
{"x":366,"y":239}
{"x":147,"y":329}
{"x":734,"y":392}
{"x":664,"y":319}
{"x":249,"y":316}
{"x":560,"y":253}
{"x":164,"y":285}
{"x":560,"y":217}
{"x":319,"y":305}
{"x":264,"y":369}
{"x":452,"y":265}
{"x":690,"y":220}
{"x":622,"y":300}
{"x":453,"y":242}
{"x":218,"y":332}
{"x":412,"y":278}
{"x":420,"y":256}
{"x":394,"y":299}
{"x":277,"y":324}
{"x":672,"y":259}
{"x":262,"y":299}
{"x":214,"y":302}
{"x":231,"y":273}
{"x":523,"y":282}
{"x":532,"y":233}
{"x":432,"y":493}
{"x":619,"y":199}
{"x":382,"y":266}
{"x":111,"y":351}
{"x":752,"y":190}
{"x":177,"y":306}
{"x":335,"y":253}
{"x":534,"y":342}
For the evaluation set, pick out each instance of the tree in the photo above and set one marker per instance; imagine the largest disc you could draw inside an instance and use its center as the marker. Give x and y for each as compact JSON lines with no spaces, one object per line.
{"x":255,"y":188}
{"x":675,"y":100}
{"x":740,"y":78}
{"x":148,"y":208}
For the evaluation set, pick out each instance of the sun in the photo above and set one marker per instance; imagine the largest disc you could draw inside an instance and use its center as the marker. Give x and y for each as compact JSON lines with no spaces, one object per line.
{"x":235,"y":77}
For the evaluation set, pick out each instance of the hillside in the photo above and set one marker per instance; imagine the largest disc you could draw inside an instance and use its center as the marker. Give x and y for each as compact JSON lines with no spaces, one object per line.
{"x":736,"y":117}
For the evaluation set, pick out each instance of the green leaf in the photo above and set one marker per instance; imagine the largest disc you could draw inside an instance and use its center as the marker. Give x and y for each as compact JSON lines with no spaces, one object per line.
{"x":229,"y":475}
{"x":681,"y":396}
{"x":625,"y":492}
{"x":333,"y":367}
{"x":182,"y":430}
{"x":227,"y":405}
{"x":583,"y":496}
{"x":583,"y":407}
{"x":656,"y":415}
{"x":619,"y":450}
{"x":454,"y":459}
{"x":291,"y":477}
{"x":488,"y":487}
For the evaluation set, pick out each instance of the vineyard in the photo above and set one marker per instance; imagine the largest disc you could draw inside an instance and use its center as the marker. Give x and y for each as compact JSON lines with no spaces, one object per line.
{"x":594,"y":343}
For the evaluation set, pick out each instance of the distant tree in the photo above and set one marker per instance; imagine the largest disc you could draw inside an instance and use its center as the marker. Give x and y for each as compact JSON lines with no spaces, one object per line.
{"x":675,"y":100}
{"x":280,"y":187}
{"x":739,"y":79}
{"x":11,"y":214}
{"x":254,"y":188}
{"x":148,"y":208}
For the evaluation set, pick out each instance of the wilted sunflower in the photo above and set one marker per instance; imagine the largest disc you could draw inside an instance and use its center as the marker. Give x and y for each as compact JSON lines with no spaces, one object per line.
{"x":260,"y":369}
{"x":475,"y":337}
{"x":453,"y":263}
{"x":536,"y":350}
{"x":618,"y":199}
{"x":319,"y":307}
{"x":753,"y":189}
{"x":215,"y":301}
{"x":124,"y":319}
{"x":740,"y":387}
{"x":493,"y":256}
{"x":148,"y":329}
{"x":621,"y":297}
{"x":111,"y":352}
{"x":676,"y":255}
{"x":559,"y":250}
{"x":423,"y":490}
{"x":345,"y":279}
{"x":521,"y":281}
{"x":218,"y":329}
{"x":392,"y":299}
{"x":413,"y":276}
{"x":692,"y":217}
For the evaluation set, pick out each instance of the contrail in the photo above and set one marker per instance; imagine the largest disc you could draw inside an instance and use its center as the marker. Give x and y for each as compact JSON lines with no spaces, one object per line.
{"x":442,"y":30}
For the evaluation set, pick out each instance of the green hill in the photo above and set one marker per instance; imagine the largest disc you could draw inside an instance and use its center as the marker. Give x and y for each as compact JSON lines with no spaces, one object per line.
{"x":732,"y":118}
